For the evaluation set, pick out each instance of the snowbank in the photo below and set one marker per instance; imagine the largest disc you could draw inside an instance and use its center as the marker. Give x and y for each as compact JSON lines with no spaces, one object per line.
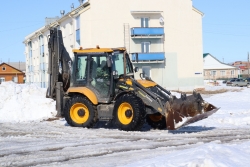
{"x":205,"y":155}
{"x":24,"y":102}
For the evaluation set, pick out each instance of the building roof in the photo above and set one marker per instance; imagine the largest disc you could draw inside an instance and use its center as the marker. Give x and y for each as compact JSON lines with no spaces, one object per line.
{"x":11,"y":67}
{"x":70,"y":14}
{"x":198,"y":11}
{"x":217,"y":65}
{"x":18,"y":65}
{"x":205,"y":54}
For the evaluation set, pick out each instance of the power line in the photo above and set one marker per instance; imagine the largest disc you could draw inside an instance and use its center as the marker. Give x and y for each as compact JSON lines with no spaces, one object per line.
{"x":226,"y":24}
{"x":243,"y":35}
{"x":22,"y":21}
{"x":19,"y":28}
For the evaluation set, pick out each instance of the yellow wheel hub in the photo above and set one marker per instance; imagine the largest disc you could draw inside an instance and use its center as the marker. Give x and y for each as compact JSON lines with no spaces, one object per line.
{"x":155,"y":118}
{"x":79,"y":113}
{"x":125,"y":113}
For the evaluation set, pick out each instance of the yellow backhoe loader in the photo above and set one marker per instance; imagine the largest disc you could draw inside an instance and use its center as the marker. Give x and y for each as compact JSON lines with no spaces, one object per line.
{"x":99,"y":84}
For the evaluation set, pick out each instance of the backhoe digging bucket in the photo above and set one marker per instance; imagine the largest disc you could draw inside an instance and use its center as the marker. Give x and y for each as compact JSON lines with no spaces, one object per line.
{"x":187,"y":110}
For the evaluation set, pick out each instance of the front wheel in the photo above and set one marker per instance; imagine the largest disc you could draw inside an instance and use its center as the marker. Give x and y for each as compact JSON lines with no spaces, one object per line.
{"x":129,"y":113}
{"x":80,"y":112}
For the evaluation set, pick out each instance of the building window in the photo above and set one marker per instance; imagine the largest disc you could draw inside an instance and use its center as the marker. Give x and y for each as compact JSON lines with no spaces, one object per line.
{"x":30,"y":49}
{"x":41,"y":45}
{"x":2,"y":79}
{"x":222,"y":73}
{"x":70,"y":28}
{"x":232,"y":72}
{"x":15,"y":79}
{"x":144,"y":22}
{"x":78,"y":41}
{"x":146,"y":70}
{"x":145,"y":47}
{"x":4,"y":68}
{"x":63,"y":28}
{"x":213,"y":73}
{"x":30,"y":68}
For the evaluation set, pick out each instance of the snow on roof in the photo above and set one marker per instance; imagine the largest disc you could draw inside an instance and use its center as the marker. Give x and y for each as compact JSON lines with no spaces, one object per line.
{"x":210,"y":62}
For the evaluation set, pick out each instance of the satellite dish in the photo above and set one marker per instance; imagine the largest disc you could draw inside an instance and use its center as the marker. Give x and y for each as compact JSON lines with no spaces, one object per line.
{"x":161,"y":20}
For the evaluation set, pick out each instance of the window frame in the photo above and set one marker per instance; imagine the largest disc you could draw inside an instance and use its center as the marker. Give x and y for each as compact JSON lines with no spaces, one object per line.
{"x":213,"y":73}
{"x":223,"y":73}
{"x":2,"y":79}
{"x":78,"y":31}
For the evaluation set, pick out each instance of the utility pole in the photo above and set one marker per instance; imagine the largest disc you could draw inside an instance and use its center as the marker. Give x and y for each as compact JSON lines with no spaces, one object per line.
{"x":248,"y":63}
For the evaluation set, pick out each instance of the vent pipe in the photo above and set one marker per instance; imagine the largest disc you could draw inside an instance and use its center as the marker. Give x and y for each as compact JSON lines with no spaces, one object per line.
{"x":72,"y":6}
{"x":81,"y":2}
{"x":62,"y":12}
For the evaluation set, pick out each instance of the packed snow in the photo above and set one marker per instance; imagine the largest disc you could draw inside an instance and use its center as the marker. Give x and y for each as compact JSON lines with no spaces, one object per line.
{"x":27,"y":139}
{"x":23,"y":102}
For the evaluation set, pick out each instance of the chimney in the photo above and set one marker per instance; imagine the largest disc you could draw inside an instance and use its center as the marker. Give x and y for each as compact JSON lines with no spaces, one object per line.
{"x":62,"y":12}
{"x":81,"y":2}
{"x":72,"y":6}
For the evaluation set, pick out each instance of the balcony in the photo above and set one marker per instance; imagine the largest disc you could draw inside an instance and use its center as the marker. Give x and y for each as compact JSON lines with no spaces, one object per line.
{"x":149,"y":32}
{"x":154,"y":57}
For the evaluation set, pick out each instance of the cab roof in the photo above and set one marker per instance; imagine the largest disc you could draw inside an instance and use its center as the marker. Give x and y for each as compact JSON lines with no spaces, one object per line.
{"x":96,"y":50}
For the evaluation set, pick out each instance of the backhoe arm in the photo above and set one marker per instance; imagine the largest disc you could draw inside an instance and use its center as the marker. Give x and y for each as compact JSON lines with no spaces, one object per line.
{"x":59,"y":63}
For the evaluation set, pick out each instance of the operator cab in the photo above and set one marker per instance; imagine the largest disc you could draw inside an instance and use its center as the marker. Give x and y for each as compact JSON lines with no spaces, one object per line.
{"x":99,"y":70}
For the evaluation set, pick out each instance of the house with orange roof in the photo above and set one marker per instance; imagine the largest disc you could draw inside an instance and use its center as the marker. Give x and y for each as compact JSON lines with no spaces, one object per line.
{"x":10,"y":73}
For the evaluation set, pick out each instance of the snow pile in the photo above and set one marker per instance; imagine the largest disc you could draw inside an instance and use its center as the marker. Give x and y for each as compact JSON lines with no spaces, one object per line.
{"x":23,"y":102}
{"x":205,"y":155}
{"x":234,"y":109}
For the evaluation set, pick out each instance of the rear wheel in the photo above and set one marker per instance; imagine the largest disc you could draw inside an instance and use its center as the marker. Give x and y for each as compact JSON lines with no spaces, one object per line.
{"x":156,"y":121}
{"x":80,"y":112}
{"x":129,"y":113}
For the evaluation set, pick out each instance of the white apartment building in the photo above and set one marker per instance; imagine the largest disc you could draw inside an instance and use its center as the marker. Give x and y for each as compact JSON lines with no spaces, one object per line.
{"x":166,"y":34}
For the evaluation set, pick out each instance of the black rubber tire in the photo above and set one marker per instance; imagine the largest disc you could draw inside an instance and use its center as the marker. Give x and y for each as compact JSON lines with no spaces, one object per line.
{"x":156,"y":124}
{"x":138,"y":114}
{"x":92,"y":118}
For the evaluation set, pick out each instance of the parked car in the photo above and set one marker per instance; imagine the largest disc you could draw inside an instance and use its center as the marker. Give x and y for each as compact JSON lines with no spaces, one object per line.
{"x":227,"y":80}
{"x":241,"y":82}
{"x":224,"y":81}
{"x":230,"y":82}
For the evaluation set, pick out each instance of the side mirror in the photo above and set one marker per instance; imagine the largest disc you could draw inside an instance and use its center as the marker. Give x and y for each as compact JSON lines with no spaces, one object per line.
{"x":109,"y":62}
{"x":115,"y":74}
{"x":136,"y":69}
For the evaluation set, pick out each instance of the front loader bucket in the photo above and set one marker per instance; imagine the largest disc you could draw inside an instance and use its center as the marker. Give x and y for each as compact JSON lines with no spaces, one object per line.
{"x":187,"y":110}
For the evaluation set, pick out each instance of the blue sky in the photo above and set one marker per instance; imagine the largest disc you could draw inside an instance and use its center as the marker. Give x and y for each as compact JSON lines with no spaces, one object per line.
{"x":226,"y":26}
{"x":22,"y":17}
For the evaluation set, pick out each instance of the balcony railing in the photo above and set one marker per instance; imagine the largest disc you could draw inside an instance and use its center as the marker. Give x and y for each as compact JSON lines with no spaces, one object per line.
{"x":149,"y":31}
{"x":149,"y":57}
